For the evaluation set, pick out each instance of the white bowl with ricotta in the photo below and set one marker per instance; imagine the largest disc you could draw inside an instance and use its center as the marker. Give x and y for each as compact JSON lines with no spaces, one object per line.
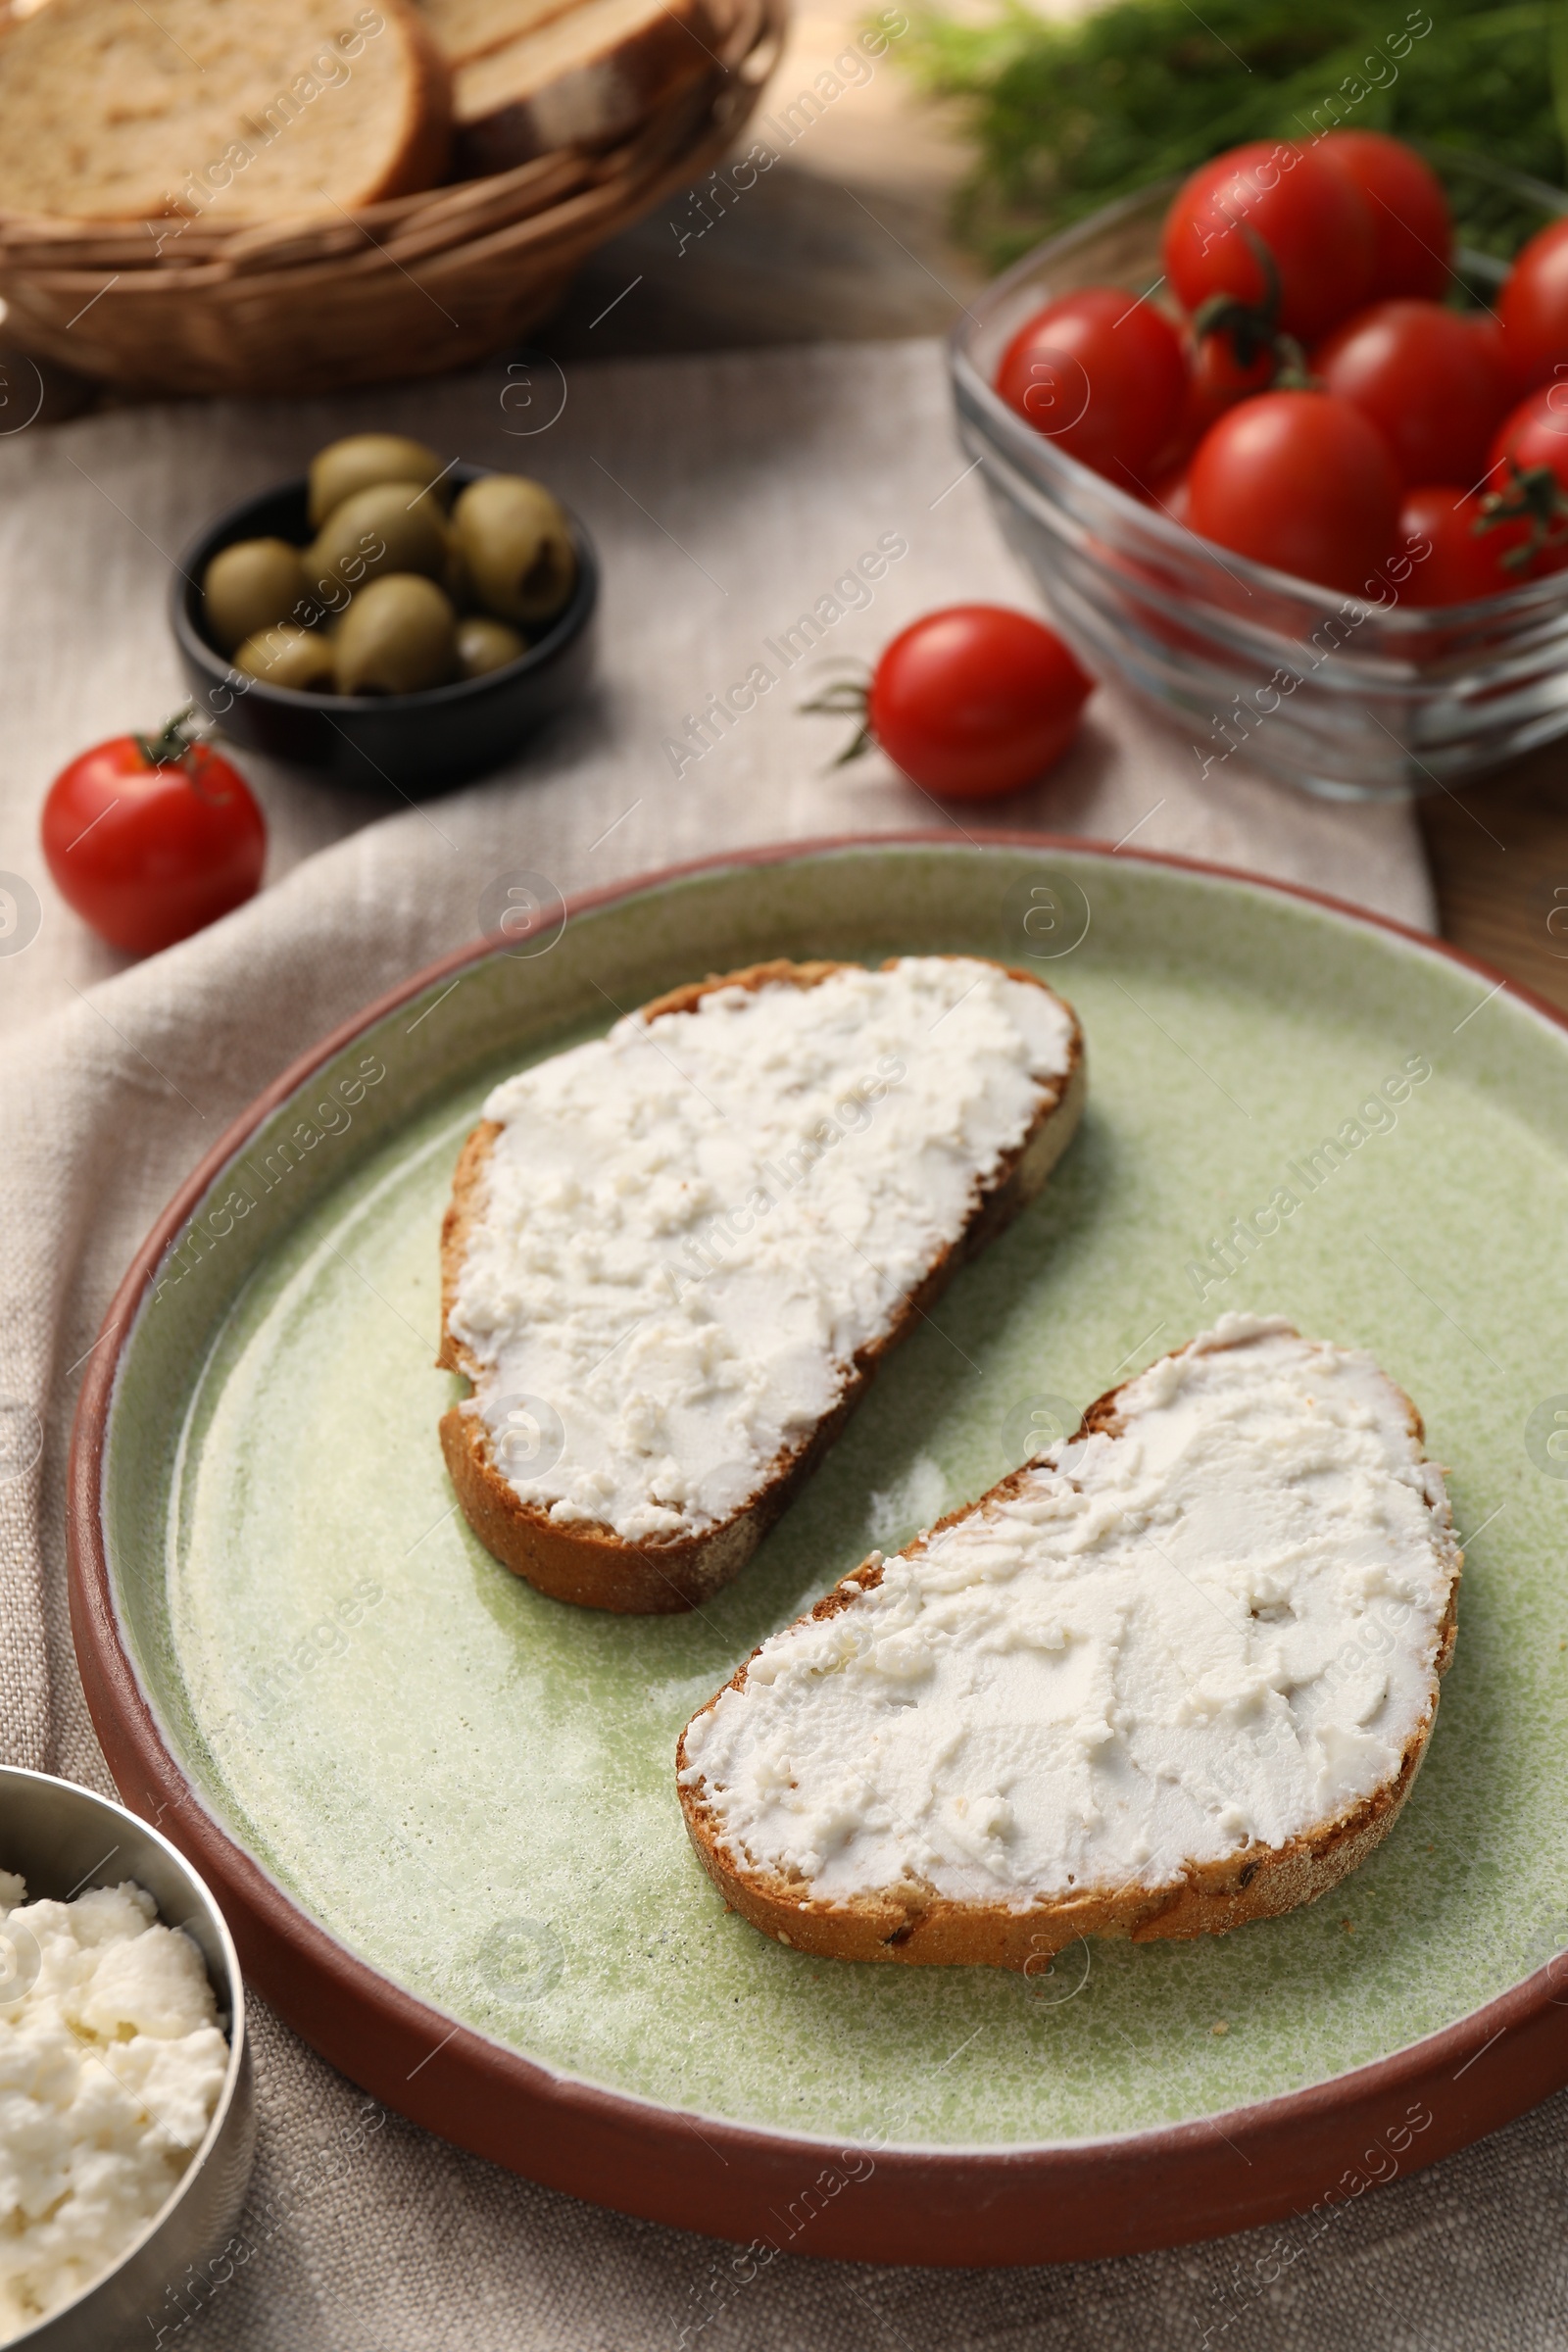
{"x":127,"y":2108}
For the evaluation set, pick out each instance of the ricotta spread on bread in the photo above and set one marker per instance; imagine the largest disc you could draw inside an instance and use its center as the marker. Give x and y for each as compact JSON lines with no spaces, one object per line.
{"x":688,"y":1227}
{"x":112,"y":2060}
{"x":1212,"y":1626}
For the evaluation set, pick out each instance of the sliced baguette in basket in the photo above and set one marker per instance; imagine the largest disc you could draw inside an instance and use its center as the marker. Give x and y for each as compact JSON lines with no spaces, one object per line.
{"x":585,"y":78}
{"x":112,"y":111}
{"x":1176,"y":1675}
{"x":675,"y":1256}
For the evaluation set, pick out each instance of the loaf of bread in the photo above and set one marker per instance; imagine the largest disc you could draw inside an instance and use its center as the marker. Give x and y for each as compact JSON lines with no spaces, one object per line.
{"x":676,"y":1256}
{"x":113,"y":111}
{"x":584,"y":78}
{"x":1176,"y":1675}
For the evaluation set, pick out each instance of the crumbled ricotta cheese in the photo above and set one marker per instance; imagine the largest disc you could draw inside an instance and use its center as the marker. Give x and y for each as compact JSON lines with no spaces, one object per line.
{"x":689,"y":1226}
{"x":1216,"y":1628}
{"x":111,"y":2064}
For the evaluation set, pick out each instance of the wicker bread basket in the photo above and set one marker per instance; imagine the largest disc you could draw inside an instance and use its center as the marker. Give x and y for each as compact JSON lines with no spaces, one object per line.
{"x":416,"y":285}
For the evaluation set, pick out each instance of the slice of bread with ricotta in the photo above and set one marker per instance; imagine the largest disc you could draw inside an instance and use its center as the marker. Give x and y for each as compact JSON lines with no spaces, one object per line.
{"x":584,"y":78}
{"x":113,"y":111}
{"x":1177,"y":1674}
{"x":675,"y":1256}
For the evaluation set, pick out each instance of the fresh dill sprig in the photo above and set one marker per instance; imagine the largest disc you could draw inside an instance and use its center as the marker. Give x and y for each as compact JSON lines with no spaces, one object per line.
{"x":1069,"y":116}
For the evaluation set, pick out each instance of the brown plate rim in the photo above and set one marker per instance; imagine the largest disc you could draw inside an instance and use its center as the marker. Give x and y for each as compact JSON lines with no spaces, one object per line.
{"x":875,"y":2200}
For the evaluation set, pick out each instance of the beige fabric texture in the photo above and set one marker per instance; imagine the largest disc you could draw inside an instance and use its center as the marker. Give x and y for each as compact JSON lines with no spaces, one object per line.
{"x":727,"y":495}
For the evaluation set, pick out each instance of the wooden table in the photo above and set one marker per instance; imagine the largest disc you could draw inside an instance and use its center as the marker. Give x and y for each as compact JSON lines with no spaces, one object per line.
{"x":846,"y":237}
{"x":1499,"y":858}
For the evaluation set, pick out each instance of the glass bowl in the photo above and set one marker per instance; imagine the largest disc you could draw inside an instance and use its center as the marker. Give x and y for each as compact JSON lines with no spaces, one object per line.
{"x":1355,"y":698}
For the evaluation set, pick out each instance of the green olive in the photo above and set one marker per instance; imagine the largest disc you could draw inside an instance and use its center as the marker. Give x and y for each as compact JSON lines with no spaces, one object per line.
{"x":485,"y":645}
{"x":455,"y":580}
{"x":387,"y":528}
{"x":248,"y":586}
{"x":286,"y":656}
{"x":360,"y":463}
{"x":398,"y":636}
{"x":517,"y":546}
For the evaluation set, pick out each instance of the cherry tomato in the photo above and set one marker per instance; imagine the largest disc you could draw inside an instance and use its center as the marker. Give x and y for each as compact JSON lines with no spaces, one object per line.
{"x":1311,"y":218}
{"x":1486,"y":328}
{"x":149,"y":839}
{"x":1217,"y":380}
{"x":1533,"y":434}
{"x":1301,"y":481}
{"x":1532,"y":309}
{"x":1172,"y":494}
{"x":1412,"y":228}
{"x":1528,"y":479}
{"x":976,"y":701}
{"x":1435,"y":388}
{"x":1101,"y":375}
{"x":1466,"y":558}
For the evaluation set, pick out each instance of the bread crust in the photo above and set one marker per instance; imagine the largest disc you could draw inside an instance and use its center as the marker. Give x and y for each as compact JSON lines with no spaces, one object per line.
{"x":591,"y":103}
{"x":465,"y":29}
{"x":919,"y":1927}
{"x":592,"y":1566}
{"x":421,"y":159}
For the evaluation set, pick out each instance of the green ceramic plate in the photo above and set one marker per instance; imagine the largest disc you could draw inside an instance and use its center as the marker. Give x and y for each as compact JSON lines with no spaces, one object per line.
{"x":471,"y":1786}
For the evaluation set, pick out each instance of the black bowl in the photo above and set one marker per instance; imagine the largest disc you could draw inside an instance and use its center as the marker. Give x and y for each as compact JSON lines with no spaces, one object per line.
{"x":413,"y":742}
